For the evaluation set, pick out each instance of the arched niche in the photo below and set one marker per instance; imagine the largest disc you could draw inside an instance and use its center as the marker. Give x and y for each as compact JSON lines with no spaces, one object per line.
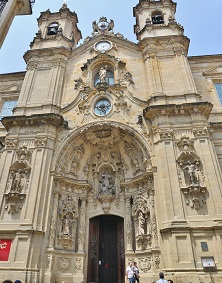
{"x":85,"y":154}
{"x":91,"y":68}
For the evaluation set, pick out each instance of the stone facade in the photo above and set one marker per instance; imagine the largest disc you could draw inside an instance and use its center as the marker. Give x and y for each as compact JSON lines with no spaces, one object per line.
{"x":112,"y":128}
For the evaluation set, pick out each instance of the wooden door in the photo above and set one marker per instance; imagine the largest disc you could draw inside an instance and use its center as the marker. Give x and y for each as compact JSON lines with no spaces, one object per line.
{"x":106,"y":250}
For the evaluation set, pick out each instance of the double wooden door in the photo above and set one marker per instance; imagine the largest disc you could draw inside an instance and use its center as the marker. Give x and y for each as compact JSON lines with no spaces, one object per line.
{"x":106,"y":250}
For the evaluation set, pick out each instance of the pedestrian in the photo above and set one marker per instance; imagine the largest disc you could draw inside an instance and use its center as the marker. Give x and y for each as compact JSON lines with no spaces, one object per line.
{"x":161,"y":280}
{"x":18,"y":281}
{"x":170,"y":281}
{"x":136,"y":272}
{"x":7,"y":281}
{"x":130,"y":273}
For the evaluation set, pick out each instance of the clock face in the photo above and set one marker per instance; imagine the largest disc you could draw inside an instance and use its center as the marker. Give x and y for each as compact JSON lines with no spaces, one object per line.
{"x":103,"y":46}
{"x":102,"y":107}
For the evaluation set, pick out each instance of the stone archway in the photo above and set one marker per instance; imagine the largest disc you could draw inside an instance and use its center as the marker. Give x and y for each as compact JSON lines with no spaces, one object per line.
{"x":104,"y":170}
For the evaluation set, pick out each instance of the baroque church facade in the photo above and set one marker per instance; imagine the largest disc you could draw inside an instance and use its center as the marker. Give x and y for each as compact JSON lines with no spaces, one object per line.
{"x":113,"y":154}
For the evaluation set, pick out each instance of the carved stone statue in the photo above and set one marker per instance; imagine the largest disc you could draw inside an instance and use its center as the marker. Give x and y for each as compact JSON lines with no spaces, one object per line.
{"x":102,"y":74}
{"x":106,"y":183}
{"x":192,"y":172}
{"x":141,"y":224}
{"x":66,"y":226}
{"x":17,"y":182}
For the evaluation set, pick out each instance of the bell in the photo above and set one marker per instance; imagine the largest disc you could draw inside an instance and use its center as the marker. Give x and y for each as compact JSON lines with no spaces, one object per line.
{"x":52,"y":31}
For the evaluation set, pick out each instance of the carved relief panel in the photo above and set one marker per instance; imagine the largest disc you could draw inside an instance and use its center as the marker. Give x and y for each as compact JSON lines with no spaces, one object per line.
{"x":191,"y":175}
{"x":18,"y":180}
{"x":67,"y":224}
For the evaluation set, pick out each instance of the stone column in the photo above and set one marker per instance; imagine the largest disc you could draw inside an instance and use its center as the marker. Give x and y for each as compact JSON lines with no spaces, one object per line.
{"x":54,"y":217}
{"x":153,"y":221}
{"x":128,"y":226}
{"x":82,"y":227}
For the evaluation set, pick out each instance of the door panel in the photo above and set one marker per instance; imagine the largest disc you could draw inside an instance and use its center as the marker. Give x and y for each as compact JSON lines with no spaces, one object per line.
{"x":93,"y":250}
{"x":106,"y":250}
{"x":108,"y":270}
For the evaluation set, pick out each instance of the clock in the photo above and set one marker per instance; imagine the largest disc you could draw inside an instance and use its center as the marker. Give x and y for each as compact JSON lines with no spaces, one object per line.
{"x":103,"y":46}
{"x":102,"y":107}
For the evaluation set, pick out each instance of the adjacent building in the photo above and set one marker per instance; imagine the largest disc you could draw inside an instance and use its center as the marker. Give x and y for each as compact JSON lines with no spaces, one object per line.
{"x":8,"y":10}
{"x":111,"y":151}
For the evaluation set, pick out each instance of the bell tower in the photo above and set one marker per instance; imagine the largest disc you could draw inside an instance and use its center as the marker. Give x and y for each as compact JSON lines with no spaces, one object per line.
{"x":57,"y":29}
{"x":57,"y":37}
{"x":156,"y":18}
{"x":164,"y":47}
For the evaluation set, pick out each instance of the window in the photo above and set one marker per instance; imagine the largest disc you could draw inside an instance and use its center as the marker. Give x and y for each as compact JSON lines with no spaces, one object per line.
{"x":53,"y":29}
{"x":2,"y":5}
{"x":109,"y":78}
{"x":7,"y":108}
{"x":157,"y":18}
{"x":218,"y":87}
{"x":204,"y":246}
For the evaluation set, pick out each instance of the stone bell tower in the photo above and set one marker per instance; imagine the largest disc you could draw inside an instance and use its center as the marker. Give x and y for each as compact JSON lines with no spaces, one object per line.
{"x":164,"y":47}
{"x":50,"y":50}
{"x":57,"y":30}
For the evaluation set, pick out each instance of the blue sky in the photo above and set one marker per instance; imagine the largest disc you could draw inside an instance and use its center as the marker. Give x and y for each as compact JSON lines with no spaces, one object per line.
{"x":200,"y":18}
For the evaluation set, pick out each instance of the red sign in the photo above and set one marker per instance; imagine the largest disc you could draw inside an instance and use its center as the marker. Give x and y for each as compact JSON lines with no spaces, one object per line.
{"x":5,"y":246}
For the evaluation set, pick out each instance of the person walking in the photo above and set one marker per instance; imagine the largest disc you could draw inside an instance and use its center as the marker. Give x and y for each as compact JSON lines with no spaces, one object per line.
{"x":170,"y":281}
{"x":161,"y":280}
{"x":136,"y":272}
{"x":130,"y":273}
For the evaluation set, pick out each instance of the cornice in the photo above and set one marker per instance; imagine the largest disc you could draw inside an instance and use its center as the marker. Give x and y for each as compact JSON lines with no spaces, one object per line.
{"x":215,"y":125}
{"x":170,"y":26}
{"x":63,"y":12}
{"x":154,"y":111}
{"x":154,"y":44}
{"x":153,"y":4}
{"x":33,"y":120}
{"x":46,"y":52}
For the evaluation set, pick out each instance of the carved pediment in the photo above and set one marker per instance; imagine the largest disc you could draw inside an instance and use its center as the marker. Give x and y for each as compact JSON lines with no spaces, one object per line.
{"x":105,"y":59}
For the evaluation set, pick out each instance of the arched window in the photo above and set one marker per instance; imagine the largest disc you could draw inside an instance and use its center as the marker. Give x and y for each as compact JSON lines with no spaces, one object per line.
{"x":53,"y":29}
{"x":157,"y":18}
{"x":109,"y":78}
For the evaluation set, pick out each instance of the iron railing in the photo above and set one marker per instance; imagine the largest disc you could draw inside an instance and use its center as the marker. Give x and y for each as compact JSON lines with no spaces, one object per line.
{"x":2,"y":5}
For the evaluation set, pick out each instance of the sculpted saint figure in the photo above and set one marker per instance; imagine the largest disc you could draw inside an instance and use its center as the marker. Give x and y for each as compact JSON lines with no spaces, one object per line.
{"x":17,"y":183}
{"x":141,"y":222}
{"x":106,"y":183}
{"x":191,"y":170}
{"x":66,"y":226}
{"x":102,"y":74}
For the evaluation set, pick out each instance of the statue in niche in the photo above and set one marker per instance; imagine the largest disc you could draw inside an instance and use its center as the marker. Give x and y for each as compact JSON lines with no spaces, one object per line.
{"x":141,"y":224}
{"x":17,"y":182}
{"x":134,"y":157}
{"x":66,"y":225}
{"x":79,"y":151}
{"x":102,"y":74}
{"x":106,"y":183}
{"x":192,"y":173}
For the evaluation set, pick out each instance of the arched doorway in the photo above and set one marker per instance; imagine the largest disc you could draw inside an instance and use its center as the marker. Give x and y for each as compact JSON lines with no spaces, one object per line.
{"x":106,"y":249}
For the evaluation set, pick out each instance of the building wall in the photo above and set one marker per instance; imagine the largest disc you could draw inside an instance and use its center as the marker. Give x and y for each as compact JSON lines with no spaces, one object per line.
{"x":154,"y":160}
